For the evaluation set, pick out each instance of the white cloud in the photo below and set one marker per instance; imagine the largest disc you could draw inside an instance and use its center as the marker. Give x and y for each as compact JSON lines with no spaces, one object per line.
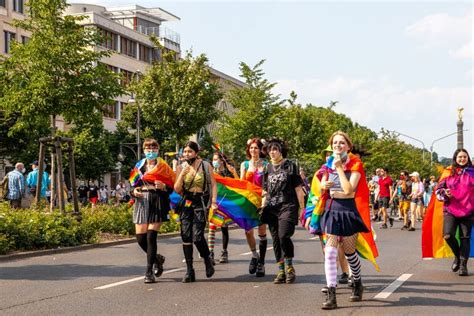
{"x":444,"y":29}
{"x":426,"y":114}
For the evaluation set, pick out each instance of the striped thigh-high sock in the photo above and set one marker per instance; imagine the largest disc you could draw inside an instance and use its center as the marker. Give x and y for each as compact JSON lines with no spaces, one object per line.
{"x":330,"y":266}
{"x":211,"y":237}
{"x":354,"y":264}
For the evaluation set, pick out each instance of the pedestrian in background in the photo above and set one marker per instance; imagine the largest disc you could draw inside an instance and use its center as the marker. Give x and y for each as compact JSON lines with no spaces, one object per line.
{"x":16,"y":185}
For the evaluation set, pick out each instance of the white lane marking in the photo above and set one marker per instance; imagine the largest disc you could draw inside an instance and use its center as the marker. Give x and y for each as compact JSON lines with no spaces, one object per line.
{"x":427,"y":258}
{"x":103,"y":287}
{"x":249,"y":253}
{"x":393,"y":286}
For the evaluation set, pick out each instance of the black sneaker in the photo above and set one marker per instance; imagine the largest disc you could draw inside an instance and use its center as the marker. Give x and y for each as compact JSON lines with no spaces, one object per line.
{"x":260,"y":270}
{"x":149,"y":277}
{"x":253,"y":265}
{"x":344,"y":279}
{"x":411,"y":229}
{"x":280,"y":277}
{"x":158,"y":265}
{"x":390,"y":220}
{"x":224,"y":257}
{"x":404,"y":227}
{"x":384,"y":226}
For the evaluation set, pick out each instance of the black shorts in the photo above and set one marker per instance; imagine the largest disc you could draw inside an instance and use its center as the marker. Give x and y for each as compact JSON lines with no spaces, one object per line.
{"x":384,"y":202}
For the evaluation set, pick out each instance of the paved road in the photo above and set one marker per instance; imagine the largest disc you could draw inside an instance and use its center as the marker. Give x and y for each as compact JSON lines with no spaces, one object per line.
{"x":85,"y":282}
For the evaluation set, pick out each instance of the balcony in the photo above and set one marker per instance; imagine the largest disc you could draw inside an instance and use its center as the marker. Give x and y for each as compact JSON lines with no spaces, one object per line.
{"x":162,"y":33}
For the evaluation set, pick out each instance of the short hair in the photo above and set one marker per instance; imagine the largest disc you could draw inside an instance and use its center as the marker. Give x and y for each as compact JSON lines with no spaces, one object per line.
{"x":346,"y":137}
{"x":259,"y":143}
{"x":278,"y":144}
{"x":193,"y":145}
{"x":150,"y":142}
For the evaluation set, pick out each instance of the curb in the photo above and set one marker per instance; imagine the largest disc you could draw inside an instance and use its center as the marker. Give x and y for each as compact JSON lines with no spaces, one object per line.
{"x":46,"y":252}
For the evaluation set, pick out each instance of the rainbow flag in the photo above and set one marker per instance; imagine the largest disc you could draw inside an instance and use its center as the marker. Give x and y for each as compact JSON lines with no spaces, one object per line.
{"x":218,"y":218}
{"x":161,"y":172}
{"x":239,"y":200}
{"x":433,"y":244}
{"x":315,"y":204}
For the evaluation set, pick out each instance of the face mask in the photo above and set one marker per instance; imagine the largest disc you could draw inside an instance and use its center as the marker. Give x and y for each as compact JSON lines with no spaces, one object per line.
{"x":191,"y":160}
{"x":151,"y":155}
{"x":23,"y":170}
{"x":216,"y":164}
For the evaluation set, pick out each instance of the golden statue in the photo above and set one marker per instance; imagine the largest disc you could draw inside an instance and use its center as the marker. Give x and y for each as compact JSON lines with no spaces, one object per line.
{"x":460,"y":113}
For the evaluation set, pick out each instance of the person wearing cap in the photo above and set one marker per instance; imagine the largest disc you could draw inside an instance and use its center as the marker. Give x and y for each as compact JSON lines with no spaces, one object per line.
{"x":416,"y":199}
{"x":32,"y":179}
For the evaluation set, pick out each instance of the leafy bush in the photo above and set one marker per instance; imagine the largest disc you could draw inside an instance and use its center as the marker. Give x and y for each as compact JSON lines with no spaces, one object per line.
{"x":29,"y":229}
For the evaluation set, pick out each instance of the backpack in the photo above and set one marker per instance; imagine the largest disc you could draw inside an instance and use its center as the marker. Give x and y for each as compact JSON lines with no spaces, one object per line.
{"x":4,"y":188}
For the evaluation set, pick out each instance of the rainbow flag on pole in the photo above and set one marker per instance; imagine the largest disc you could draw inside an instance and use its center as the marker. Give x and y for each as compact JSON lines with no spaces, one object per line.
{"x":433,"y":244}
{"x":239,"y":200}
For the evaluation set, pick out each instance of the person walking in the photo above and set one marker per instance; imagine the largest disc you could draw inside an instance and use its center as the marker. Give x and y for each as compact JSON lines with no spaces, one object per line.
{"x":283,"y":197}
{"x":222,"y":167}
{"x":197,"y":186}
{"x":152,"y":181}
{"x":252,"y":170}
{"x":16,"y":185}
{"x":456,"y":191}
{"x":344,"y":177}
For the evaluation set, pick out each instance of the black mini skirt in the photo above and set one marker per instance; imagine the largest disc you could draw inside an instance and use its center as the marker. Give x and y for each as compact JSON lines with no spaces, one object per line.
{"x":341,"y":218}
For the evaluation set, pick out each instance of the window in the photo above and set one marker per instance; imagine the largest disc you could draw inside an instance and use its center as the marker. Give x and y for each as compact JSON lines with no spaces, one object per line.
{"x":110,"y":110}
{"x":145,"y":53}
{"x":9,"y":37}
{"x":2,"y":3}
{"x":24,"y":39}
{"x":18,"y":6}
{"x":127,"y":77}
{"x":128,"y":47}
{"x":109,"y":39}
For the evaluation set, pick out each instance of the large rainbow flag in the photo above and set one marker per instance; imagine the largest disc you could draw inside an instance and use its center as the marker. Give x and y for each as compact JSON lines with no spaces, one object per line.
{"x":161,"y":172}
{"x":433,"y":244}
{"x":239,"y":200}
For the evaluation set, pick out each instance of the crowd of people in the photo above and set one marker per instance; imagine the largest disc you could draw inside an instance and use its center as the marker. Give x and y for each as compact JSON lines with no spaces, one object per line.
{"x":405,"y":198}
{"x":344,"y":201}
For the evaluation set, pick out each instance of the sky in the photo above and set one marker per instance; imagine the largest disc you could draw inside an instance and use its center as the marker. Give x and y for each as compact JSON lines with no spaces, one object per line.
{"x":404,"y":66}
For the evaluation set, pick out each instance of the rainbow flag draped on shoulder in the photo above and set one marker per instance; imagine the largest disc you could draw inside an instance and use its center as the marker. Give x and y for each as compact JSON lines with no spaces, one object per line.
{"x":365,"y":244}
{"x":433,"y":244}
{"x":161,"y":172}
{"x":239,"y":200}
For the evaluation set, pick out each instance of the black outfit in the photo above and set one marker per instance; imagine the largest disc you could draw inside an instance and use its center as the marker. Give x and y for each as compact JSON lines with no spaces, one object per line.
{"x":93,"y":191}
{"x":281,"y":209}
{"x":82,"y":192}
{"x":450,"y":225}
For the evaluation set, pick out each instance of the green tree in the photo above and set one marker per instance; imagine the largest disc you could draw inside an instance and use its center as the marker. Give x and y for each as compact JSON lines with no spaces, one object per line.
{"x":176,"y":97}
{"x":55,"y":73}
{"x":256,"y":111}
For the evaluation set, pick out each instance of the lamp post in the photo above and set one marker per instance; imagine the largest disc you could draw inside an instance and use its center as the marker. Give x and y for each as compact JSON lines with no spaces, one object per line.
{"x":133,"y":100}
{"x":414,"y":139}
{"x":431,"y":147}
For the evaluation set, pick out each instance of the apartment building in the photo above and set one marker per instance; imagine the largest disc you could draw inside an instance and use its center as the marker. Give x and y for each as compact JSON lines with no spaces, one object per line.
{"x":11,"y":10}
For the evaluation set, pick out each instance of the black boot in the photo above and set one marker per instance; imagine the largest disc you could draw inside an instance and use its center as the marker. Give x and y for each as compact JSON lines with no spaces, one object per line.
{"x":158,"y":265}
{"x":357,"y":291}
{"x":149,"y":276}
{"x":211,"y":256}
{"x":463,"y":267}
{"x":190,"y":276}
{"x":455,"y":266}
{"x":209,"y":266}
{"x":330,"y":299}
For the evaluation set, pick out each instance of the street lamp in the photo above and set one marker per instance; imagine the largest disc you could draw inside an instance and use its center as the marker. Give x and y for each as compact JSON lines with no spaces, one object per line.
{"x":132,"y":100}
{"x":431,"y":147}
{"x":414,"y":139}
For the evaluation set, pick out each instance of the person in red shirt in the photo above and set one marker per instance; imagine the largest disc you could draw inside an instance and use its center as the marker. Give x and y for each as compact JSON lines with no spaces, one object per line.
{"x":385,"y":196}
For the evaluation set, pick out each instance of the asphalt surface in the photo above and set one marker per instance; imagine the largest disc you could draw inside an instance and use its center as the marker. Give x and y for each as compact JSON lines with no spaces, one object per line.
{"x":85,"y":282}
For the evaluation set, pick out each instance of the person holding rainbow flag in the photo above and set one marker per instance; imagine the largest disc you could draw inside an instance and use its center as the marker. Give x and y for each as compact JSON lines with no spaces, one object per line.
{"x":346,"y":219}
{"x":447,"y":228}
{"x":152,"y":181}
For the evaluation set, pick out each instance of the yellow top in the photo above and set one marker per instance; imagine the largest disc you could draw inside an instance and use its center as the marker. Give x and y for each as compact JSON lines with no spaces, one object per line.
{"x":198,"y":182}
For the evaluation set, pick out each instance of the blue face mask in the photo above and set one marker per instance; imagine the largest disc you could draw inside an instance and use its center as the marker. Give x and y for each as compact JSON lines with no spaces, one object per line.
{"x":151,"y":155}
{"x":216,"y":164}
